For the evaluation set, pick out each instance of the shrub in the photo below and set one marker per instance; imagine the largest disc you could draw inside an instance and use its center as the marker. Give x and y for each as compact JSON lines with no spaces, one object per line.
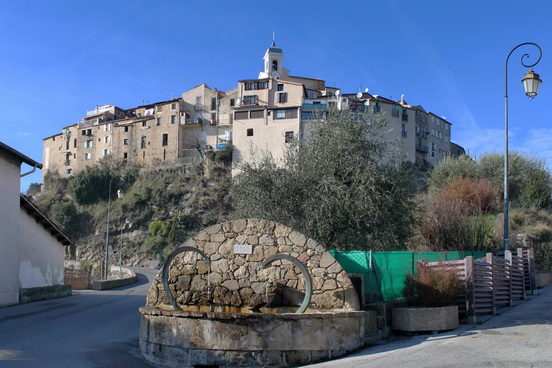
{"x":543,"y":257}
{"x":432,"y":286}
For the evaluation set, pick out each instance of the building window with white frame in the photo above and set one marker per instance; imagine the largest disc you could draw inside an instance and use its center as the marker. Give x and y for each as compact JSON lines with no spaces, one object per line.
{"x":282,"y":97}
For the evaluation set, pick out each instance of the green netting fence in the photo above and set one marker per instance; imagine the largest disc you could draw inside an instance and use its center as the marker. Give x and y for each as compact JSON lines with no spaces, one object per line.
{"x":383,"y":273}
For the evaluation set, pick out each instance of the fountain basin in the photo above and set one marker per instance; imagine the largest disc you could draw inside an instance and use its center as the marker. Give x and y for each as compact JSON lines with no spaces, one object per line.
{"x":203,"y":338}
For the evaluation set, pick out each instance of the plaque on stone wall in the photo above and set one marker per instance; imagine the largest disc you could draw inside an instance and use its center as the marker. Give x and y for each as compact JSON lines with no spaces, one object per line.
{"x":243,"y":249}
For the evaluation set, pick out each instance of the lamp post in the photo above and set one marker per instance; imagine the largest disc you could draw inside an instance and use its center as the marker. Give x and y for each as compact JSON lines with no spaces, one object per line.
{"x":531,"y":82}
{"x":119,"y":195}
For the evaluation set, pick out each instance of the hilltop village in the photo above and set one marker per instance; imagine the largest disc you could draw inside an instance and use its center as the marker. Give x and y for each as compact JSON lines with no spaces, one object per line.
{"x":264,"y":113}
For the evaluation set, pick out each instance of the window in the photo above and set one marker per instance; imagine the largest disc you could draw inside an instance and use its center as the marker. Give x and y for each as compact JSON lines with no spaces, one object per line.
{"x":280,"y":114}
{"x":257,"y":114}
{"x":83,"y":132}
{"x":106,"y":152}
{"x":158,"y":108}
{"x":241,"y":115}
{"x":125,"y":142}
{"x":404,"y":130}
{"x":165,"y":140}
{"x":158,"y":121}
{"x":285,"y":114}
{"x":274,"y":64}
{"x":280,"y":87}
{"x":377,"y":107}
{"x":67,"y":145}
{"x":144,"y":124}
{"x":395,"y":111}
{"x":213,"y":103}
{"x":88,"y":156}
{"x":173,"y":106}
{"x":307,"y":115}
{"x":250,"y":100}
{"x":88,"y":144}
{"x":232,"y":102}
{"x":173,"y":119}
{"x":250,"y":132}
{"x":404,"y":115}
{"x":125,"y":155}
{"x":432,"y":149}
{"x":126,"y":129}
{"x":289,"y":137}
{"x":282,"y":97}
{"x":107,"y":127}
{"x":143,"y":141}
{"x":68,"y":171}
{"x":75,"y":143}
{"x":107,"y":139}
{"x":249,"y":86}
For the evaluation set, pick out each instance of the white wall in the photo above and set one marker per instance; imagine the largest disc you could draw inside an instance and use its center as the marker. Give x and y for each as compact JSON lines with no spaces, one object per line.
{"x":9,"y":230}
{"x":42,"y":256}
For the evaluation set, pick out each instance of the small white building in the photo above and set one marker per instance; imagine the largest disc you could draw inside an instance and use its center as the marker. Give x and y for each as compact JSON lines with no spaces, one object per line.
{"x":32,"y":248}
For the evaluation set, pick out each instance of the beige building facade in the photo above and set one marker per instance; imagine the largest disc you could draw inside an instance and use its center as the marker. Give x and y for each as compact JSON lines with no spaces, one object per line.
{"x":263,"y":114}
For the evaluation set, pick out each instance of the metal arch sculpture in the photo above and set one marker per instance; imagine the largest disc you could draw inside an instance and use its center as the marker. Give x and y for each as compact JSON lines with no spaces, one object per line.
{"x":165,"y":274}
{"x":304,"y":271}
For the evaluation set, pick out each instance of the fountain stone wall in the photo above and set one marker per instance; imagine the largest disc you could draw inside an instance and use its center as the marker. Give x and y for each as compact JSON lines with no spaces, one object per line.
{"x":234,"y":312}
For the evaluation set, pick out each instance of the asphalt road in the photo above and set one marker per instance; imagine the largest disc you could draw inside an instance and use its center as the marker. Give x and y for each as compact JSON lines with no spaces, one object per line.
{"x":100,"y":329}
{"x":89,"y":329}
{"x":519,"y":337}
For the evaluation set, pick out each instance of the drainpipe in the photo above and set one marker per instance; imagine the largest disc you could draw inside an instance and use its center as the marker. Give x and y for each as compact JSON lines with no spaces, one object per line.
{"x":30,"y":172}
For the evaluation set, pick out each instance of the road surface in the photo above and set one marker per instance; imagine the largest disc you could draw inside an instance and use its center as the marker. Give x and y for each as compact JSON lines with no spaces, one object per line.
{"x":89,"y":329}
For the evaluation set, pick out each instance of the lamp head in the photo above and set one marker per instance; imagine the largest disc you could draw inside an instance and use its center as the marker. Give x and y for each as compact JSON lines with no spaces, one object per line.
{"x":531,"y":82}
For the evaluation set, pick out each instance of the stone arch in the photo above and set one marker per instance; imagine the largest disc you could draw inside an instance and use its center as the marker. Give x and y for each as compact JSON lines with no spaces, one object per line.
{"x":235,"y":277}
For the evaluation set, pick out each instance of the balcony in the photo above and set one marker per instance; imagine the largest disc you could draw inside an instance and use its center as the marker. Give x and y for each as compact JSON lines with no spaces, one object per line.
{"x":422,"y":148}
{"x":311,"y":106}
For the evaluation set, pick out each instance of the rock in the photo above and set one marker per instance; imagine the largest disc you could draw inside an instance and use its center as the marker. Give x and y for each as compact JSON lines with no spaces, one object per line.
{"x":327,"y":260}
{"x":267,"y":240}
{"x":218,"y":237}
{"x":239,"y":225}
{"x":297,"y":238}
{"x":220,"y":266}
{"x":231,"y":285}
{"x":198,"y":283}
{"x":183,"y":283}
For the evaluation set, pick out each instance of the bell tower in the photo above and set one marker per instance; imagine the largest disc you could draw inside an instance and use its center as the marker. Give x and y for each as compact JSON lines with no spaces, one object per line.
{"x":272,"y":62}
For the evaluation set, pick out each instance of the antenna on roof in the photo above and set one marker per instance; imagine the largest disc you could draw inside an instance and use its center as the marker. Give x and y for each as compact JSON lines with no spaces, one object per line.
{"x":273,"y":36}
{"x":366,"y":90}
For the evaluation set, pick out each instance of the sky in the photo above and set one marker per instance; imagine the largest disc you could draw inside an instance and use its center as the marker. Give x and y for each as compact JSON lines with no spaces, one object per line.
{"x":59,"y":59}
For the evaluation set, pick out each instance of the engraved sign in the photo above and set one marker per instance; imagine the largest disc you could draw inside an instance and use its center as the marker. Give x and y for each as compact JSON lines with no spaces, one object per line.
{"x":243,"y":249}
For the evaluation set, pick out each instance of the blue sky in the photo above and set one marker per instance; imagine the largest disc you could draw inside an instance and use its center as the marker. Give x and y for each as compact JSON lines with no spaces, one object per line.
{"x":61,"y":58}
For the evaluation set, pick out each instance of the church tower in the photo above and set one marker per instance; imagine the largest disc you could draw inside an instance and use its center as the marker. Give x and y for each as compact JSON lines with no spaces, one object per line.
{"x":272,"y":63}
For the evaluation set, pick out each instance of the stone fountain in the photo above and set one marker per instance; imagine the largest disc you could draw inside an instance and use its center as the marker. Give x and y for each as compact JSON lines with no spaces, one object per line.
{"x":250,"y":292}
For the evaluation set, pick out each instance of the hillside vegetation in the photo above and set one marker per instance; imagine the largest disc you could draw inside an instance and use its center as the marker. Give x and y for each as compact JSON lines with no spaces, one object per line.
{"x":159,"y":209}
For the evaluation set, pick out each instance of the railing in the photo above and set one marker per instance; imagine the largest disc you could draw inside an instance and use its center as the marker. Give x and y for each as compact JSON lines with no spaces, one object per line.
{"x":311,"y":106}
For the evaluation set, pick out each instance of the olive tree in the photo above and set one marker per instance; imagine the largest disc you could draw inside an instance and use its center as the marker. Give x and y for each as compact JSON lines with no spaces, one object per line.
{"x":339,"y":185}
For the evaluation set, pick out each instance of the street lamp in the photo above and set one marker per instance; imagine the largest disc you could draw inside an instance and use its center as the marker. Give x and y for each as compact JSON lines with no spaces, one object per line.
{"x":119,"y":195}
{"x":531,"y":82}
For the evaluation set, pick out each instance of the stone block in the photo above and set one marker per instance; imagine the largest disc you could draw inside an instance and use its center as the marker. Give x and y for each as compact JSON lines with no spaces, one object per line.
{"x":425,"y":319}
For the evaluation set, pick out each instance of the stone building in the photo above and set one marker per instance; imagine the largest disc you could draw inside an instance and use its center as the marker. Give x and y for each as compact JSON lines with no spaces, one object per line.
{"x":265,"y":113}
